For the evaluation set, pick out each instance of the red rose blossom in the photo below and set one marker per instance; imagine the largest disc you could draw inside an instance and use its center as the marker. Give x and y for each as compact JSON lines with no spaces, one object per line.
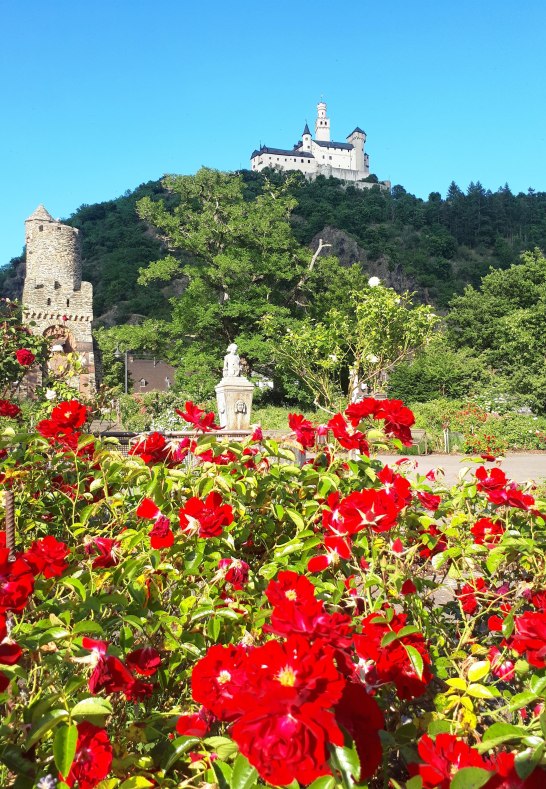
{"x":47,"y":556}
{"x":25,"y":357}
{"x":93,"y":757}
{"x":235,"y":572}
{"x":304,"y":430}
{"x":9,"y":409}
{"x":442,"y":758}
{"x":145,"y":661}
{"x":207,"y":517}
{"x":198,"y":418}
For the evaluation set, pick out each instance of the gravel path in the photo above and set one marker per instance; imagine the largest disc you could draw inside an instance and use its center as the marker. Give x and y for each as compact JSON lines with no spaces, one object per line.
{"x":518,"y":467}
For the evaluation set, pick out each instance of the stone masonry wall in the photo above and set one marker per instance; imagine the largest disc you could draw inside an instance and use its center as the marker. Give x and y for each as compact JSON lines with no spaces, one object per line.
{"x":55,"y":299}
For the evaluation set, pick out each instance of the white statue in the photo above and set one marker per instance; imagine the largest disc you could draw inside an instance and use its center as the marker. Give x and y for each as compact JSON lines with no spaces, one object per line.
{"x":232,"y":363}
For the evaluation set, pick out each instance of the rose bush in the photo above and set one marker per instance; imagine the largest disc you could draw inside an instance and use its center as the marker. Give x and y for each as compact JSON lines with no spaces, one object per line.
{"x":205,"y":613}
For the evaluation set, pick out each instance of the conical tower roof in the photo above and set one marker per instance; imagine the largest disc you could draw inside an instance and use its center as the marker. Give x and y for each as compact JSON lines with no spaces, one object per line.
{"x":40,"y":214}
{"x":306,"y":130}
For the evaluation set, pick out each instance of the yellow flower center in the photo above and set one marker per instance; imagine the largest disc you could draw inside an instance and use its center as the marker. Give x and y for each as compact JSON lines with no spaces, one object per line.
{"x":291,"y":594}
{"x":223,"y":677}
{"x":287,"y":677}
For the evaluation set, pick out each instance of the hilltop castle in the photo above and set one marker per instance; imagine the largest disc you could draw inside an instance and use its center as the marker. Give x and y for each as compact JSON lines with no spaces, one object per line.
{"x":54,"y":297}
{"x":321,"y":156}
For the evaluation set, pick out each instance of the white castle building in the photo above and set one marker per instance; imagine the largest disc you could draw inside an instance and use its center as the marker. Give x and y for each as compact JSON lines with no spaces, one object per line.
{"x":321,"y":155}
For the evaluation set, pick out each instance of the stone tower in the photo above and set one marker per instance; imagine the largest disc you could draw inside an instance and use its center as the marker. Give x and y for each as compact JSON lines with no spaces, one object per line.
{"x":54,"y":296}
{"x":322,"y":123}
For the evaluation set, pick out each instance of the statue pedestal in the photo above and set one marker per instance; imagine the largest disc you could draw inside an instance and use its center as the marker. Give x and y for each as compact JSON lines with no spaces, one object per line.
{"x":234,"y":398}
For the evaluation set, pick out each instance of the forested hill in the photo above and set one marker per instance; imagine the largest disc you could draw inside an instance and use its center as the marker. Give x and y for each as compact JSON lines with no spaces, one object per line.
{"x":435,"y":246}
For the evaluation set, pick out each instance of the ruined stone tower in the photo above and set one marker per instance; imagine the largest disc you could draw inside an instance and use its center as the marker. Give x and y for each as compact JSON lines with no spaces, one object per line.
{"x":54,"y":296}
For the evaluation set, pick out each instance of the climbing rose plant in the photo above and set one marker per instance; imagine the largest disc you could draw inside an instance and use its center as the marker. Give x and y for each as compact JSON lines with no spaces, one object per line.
{"x":204,"y":613}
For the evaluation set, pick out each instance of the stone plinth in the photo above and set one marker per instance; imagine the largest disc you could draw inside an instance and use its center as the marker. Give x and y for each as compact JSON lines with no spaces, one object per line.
{"x":234,"y":398}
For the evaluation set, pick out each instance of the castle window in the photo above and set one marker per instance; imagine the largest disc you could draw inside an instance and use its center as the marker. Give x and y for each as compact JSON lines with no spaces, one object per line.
{"x":41,"y":228}
{"x":143,"y":383}
{"x":58,"y":227}
{"x":57,"y":285}
{"x":302,"y":161}
{"x":329,"y":157}
{"x":49,"y":302}
{"x":68,"y":302}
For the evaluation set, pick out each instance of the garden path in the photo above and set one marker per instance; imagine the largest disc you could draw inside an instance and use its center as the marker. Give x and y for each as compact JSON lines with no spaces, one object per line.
{"x":518,"y":467}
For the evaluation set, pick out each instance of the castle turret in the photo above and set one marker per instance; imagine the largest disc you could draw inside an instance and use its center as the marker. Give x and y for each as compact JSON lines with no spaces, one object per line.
{"x":55,"y":300}
{"x":322,"y":123}
{"x":306,"y":139}
{"x":357,"y":138}
{"x":53,"y":250}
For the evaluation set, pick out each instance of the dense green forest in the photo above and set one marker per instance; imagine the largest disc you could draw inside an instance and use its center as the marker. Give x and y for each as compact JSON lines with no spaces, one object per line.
{"x":435,"y":246}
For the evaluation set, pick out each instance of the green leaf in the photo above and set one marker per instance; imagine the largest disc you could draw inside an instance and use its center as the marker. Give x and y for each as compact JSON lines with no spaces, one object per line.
{"x":244,"y":775}
{"x":348,"y":764}
{"x":470,"y":778}
{"x":64,"y":748}
{"x":223,"y":773}
{"x":415,"y":659}
{"x":76,"y":584}
{"x":415,"y":783}
{"x":136,"y":782}
{"x":324,"y":782}
{"x":482,"y":691}
{"x":526,"y":761}
{"x":91,"y":707}
{"x":223,"y":746}
{"x":478,"y":670}
{"x":504,"y":730}
{"x":177,"y":748}
{"x":44,"y":725}
{"x":522,"y":700}
{"x":297,"y":519}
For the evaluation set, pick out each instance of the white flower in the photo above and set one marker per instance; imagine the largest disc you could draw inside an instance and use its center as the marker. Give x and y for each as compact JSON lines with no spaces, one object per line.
{"x":333,"y":357}
{"x":373,"y":282}
{"x":372,"y":358}
{"x":50,"y":394}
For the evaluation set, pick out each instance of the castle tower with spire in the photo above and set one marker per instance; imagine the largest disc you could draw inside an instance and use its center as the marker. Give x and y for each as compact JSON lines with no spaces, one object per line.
{"x":322,"y":155}
{"x":55,"y":300}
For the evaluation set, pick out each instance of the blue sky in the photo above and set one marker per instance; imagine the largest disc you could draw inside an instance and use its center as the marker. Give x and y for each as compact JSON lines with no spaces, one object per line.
{"x":98,"y":96}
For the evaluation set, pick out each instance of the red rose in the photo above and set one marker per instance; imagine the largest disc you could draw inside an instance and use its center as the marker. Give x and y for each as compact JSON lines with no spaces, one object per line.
{"x":304,"y":430}
{"x":392,"y":662}
{"x":360,"y":714}
{"x":208,"y":517}
{"x":235,"y":572}
{"x":219,"y":679}
{"x":161,"y":535}
{"x":467,"y":595}
{"x":288,"y":745}
{"x":506,"y":776}
{"x":196,"y":725}
{"x":487,"y":532}
{"x":198,"y":418}
{"x":443,"y":757}
{"x":152,"y":449}
{"x":25,"y":357}
{"x":16,"y":583}
{"x":530,"y":637}
{"x":93,"y":757}
{"x":9,"y":409}
{"x":355,"y":440}
{"x":47,"y":556}
{"x":107,"y":550}
{"x":429,"y":500}
{"x":145,"y":661}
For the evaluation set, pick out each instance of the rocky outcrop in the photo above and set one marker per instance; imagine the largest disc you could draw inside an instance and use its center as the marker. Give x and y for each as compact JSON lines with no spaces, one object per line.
{"x":348,"y":251}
